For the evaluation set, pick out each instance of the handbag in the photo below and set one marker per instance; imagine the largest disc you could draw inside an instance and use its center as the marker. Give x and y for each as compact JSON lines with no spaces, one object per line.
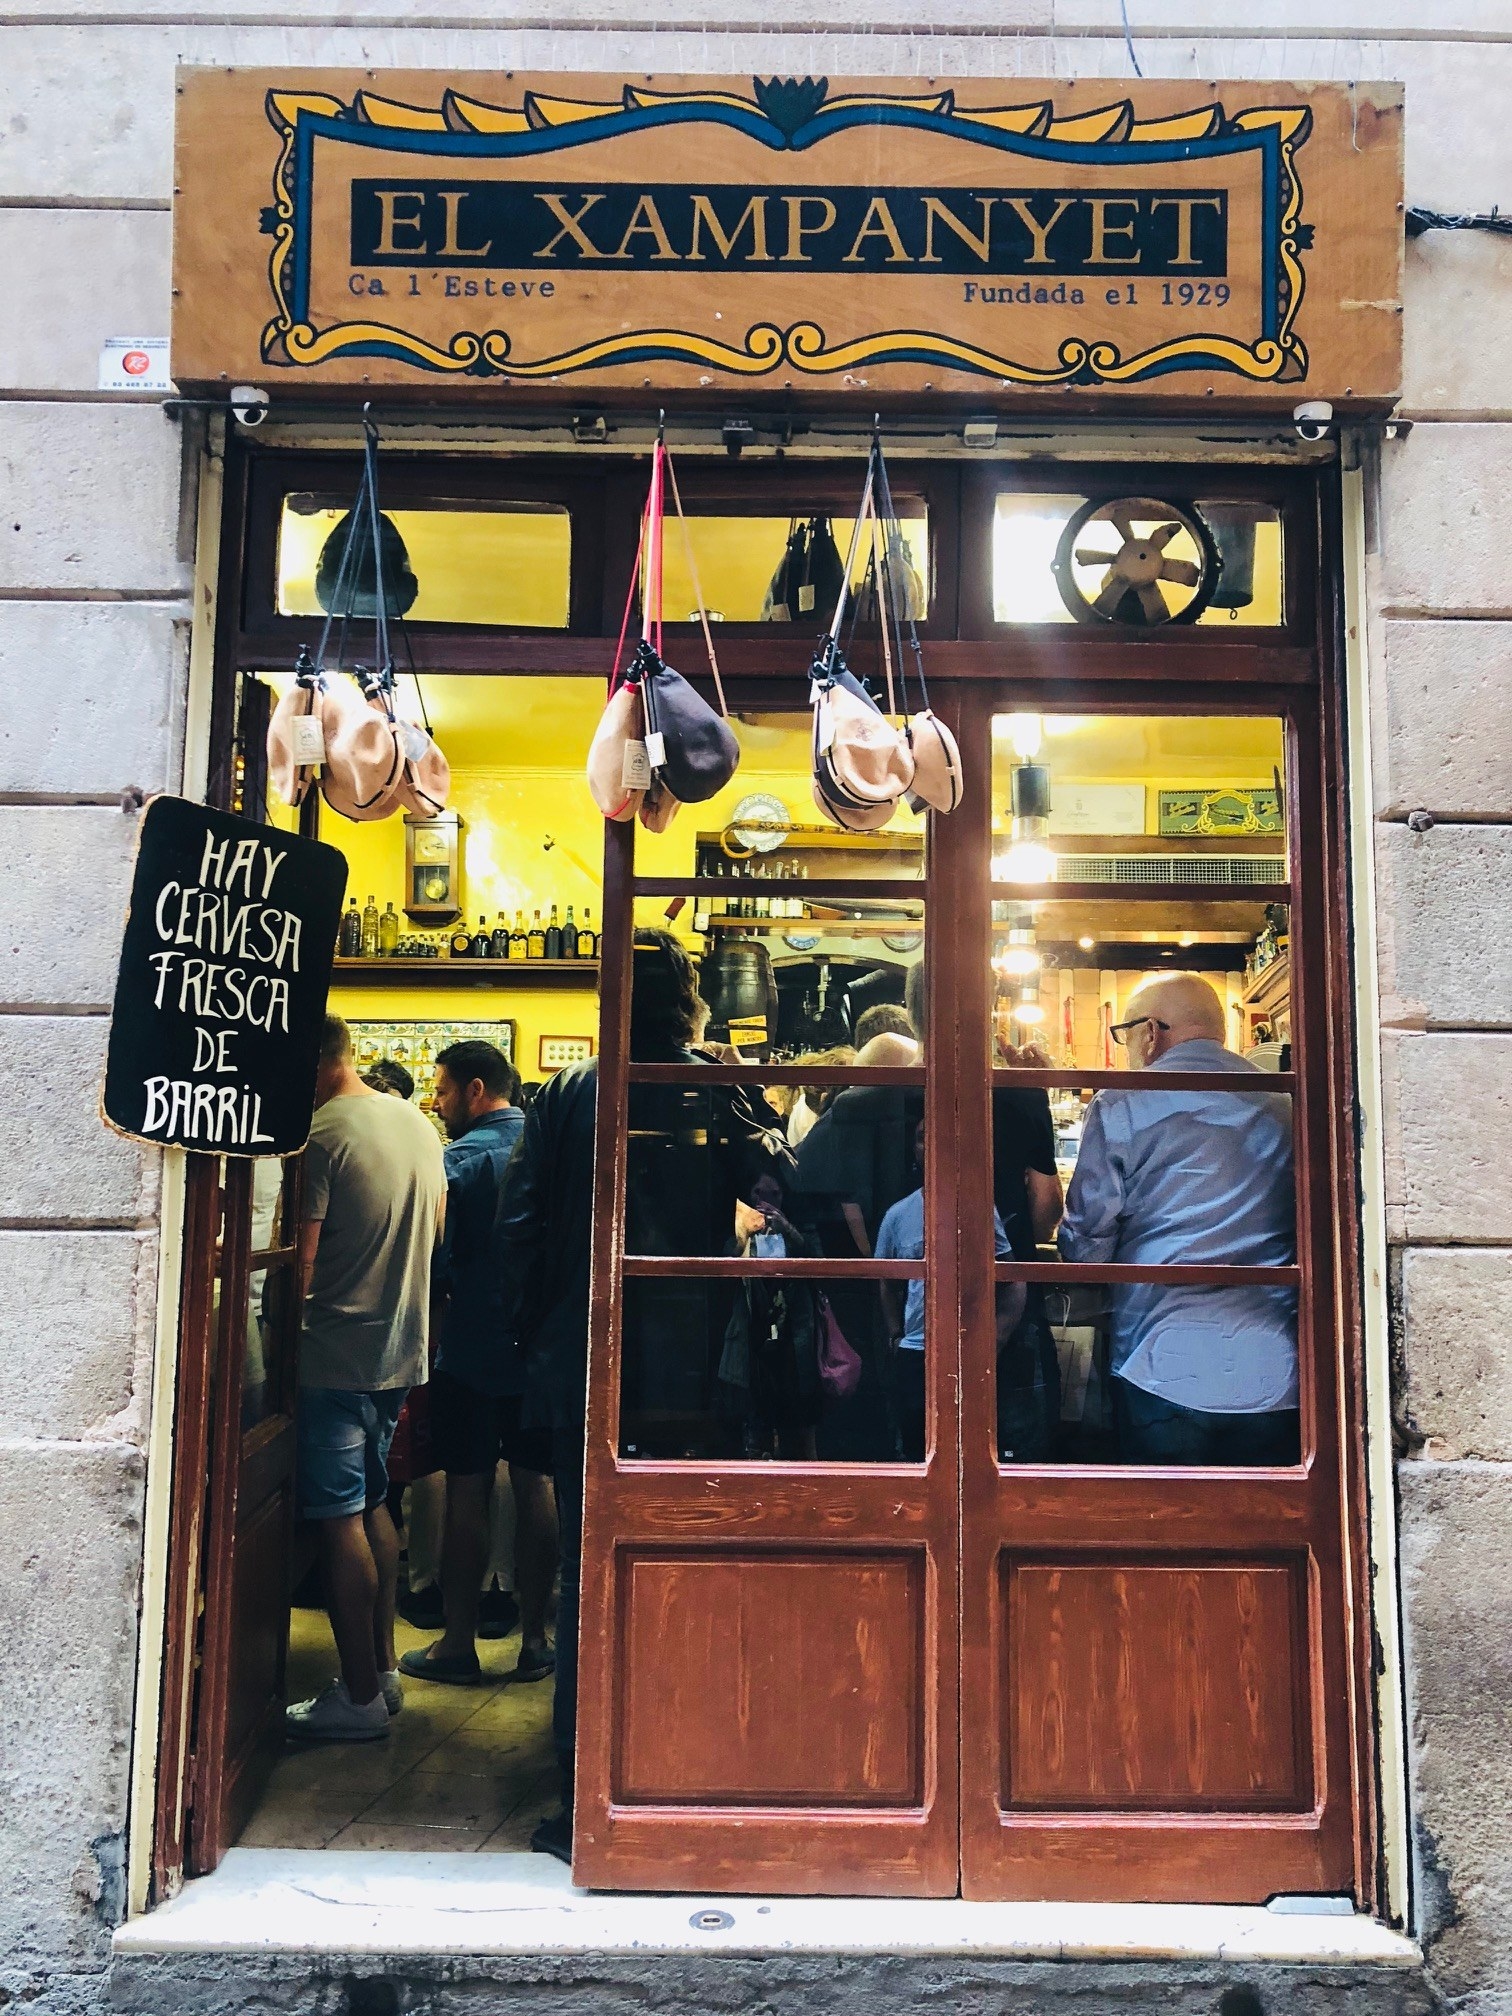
{"x":839,"y":1361}
{"x":862,"y":764}
{"x":937,"y":780}
{"x":370,"y":758}
{"x":665,"y":746}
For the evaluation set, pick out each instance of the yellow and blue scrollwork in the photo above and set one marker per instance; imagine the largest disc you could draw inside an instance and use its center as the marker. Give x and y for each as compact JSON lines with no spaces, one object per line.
{"x":785,"y":115}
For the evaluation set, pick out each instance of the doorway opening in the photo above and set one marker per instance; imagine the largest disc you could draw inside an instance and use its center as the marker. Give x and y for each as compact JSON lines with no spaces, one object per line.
{"x":884,"y":1592}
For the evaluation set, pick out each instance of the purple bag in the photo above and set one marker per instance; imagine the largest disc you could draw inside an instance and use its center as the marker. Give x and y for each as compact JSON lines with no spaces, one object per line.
{"x":839,"y":1365}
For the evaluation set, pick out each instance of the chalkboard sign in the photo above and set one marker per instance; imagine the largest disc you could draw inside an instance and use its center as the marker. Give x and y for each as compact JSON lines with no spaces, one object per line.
{"x":225,"y":966}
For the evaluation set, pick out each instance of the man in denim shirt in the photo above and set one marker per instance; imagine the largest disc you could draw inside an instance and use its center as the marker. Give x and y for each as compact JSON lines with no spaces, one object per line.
{"x":1201,"y":1374}
{"x":478,"y":1384}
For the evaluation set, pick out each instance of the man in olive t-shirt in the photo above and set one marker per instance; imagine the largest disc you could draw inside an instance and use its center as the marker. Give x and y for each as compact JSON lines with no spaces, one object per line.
{"x":375,"y":1195}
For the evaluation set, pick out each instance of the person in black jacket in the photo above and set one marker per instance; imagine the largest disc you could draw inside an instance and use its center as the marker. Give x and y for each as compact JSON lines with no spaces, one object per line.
{"x":543,"y":1242}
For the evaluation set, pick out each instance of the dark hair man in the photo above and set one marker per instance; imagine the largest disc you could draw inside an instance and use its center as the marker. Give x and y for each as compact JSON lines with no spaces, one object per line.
{"x":883,"y":1018}
{"x":477,"y":1389}
{"x":375,"y":1198}
{"x":544,"y":1251}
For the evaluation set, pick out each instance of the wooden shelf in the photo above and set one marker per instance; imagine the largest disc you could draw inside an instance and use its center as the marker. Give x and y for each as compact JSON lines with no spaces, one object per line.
{"x":501,"y":974}
{"x":1271,"y":985}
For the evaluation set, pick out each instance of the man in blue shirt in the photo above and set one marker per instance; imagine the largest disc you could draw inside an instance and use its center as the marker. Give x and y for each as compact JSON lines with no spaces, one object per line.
{"x":1201,"y":1375}
{"x":901,"y":1237}
{"x":478,"y":1384}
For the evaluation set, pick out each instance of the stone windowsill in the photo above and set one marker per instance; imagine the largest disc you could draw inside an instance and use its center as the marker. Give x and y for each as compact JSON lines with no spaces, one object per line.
{"x":274,"y":1901}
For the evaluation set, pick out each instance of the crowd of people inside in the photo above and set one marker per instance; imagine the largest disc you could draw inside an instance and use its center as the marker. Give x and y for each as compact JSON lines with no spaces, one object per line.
{"x":463,"y":1275}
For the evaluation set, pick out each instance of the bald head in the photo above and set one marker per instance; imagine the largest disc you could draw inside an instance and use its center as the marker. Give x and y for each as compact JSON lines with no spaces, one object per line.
{"x":1185,"y":1003}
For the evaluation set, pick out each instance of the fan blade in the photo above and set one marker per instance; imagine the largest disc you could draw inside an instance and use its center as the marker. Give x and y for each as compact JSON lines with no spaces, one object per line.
{"x":1184,"y":571}
{"x":1153,"y":603}
{"x":1162,"y":536}
{"x":1114,"y":590}
{"x":1123,"y":523}
{"x":1086,"y":559}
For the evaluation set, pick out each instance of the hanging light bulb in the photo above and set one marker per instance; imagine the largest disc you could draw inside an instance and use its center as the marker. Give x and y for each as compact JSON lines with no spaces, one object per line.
{"x":1029,"y":857}
{"x":1027,"y":1008}
{"x":1019,"y":952}
{"x":1025,"y":732}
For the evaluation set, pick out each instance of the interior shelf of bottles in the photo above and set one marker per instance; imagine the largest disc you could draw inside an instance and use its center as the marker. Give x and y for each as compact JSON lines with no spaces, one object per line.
{"x":549,"y":950}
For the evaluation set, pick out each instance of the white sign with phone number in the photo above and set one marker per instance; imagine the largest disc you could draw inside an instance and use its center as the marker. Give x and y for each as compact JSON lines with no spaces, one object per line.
{"x":134,"y":364}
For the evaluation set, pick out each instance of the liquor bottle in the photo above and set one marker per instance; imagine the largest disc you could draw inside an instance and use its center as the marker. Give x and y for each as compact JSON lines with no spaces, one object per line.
{"x":569,"y":936}
{"x":482,"y":944}
{"x":519,"y":940}
{"x":370,"y":930}
{"x":388,"y":933}
{"x":587,"y":943}
{"x":554,"y":935}
{"x":461,"y":940}
{"x":350,"y":943}
{"x":499,"y":949}
{"x":535,"y":944}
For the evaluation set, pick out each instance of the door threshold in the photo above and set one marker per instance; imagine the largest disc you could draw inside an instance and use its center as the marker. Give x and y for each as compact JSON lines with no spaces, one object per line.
{"x":286,"y":1901}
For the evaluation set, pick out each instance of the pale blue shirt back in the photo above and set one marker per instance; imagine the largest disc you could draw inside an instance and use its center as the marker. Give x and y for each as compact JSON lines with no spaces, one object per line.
{"x":1196,"y":1177}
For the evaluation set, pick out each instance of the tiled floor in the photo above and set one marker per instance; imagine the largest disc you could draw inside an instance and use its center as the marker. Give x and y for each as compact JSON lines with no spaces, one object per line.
{"x":463,"y":1767}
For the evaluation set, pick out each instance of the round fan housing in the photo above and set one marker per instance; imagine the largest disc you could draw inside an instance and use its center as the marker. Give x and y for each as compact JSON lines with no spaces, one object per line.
{"x":1143,"y":561}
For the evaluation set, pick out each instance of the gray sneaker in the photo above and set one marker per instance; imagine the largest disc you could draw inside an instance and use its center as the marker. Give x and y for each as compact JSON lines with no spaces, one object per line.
{"x":334,"y":1717}
{"x":393,"y":1692}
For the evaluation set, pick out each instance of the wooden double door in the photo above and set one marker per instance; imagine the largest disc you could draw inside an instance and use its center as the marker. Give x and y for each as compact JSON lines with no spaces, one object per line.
{"x":1023,"y":1665}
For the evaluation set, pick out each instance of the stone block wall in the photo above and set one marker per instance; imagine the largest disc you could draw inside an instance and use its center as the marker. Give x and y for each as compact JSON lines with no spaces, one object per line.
{"x":93,"y":612}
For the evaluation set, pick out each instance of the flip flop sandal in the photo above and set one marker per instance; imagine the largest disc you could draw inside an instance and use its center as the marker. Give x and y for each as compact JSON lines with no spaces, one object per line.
{"x":458,"y":1670}
{"x":534,"y":1665}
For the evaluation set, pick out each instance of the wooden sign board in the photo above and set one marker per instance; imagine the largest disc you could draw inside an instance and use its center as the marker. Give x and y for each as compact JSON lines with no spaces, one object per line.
{"x":1186,"y":242}
{"x":221,"y":992}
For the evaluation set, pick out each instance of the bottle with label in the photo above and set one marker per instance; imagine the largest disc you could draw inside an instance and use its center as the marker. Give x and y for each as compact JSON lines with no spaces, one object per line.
{"x":482,"y":944}
{"x":554,"y":935}
{"x":569,"y":936}
{"x":587,"y":941}
{"x":519,"y":939}
{"x":388,"y":933}
{"x":500,"y":946}
{"x":349,"y":945}
{"x":460,"y":942}
{"x":370,"y":930}
{"x":535,"y":944}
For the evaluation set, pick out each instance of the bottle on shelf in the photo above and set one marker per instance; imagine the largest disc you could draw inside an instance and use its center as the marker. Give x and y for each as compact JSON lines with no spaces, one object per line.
{"x":370,"y":930}
{"x":554,"y":935}
{"x":535,"y":943}
{"x":587,"y":940}
{"x":388,"y":933}
{"x":349,"y":945}
{"x":482,"y":944}
{"x":460,"y":942}
{"x":570,"y":936}
{"x":500,"y":946}
{"x":519,"y":938}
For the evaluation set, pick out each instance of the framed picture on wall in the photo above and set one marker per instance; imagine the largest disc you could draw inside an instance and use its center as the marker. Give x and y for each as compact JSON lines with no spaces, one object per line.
{"x":559,"y":1051}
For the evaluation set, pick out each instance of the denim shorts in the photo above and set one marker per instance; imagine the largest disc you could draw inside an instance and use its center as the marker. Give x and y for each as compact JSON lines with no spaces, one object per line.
{"x":343,"y":1449}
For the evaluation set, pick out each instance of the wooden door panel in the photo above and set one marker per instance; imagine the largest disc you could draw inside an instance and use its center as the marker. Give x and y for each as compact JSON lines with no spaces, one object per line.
{"x":1165,"y":1684}
{"x":791,"y":1678}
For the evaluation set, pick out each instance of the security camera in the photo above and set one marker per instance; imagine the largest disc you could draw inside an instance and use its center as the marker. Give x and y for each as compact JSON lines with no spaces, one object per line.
{"x":249,"y":403}
{"x":1312,"y":419}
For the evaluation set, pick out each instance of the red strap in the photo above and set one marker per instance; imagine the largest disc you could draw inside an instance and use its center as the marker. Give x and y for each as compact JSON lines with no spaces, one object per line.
{"x":619,"y":649}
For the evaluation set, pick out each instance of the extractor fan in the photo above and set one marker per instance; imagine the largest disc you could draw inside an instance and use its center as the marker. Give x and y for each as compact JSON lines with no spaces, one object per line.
{"x":1138,"y":560}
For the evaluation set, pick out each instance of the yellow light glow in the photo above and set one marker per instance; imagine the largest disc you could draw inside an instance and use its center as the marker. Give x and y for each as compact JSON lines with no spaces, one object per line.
{"x":1028,"y":1011}
{"x":1028,"y":861}
{"x":1018,"y":960}
{"x":1026,"y":732}
{"x":1086,"y":944}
